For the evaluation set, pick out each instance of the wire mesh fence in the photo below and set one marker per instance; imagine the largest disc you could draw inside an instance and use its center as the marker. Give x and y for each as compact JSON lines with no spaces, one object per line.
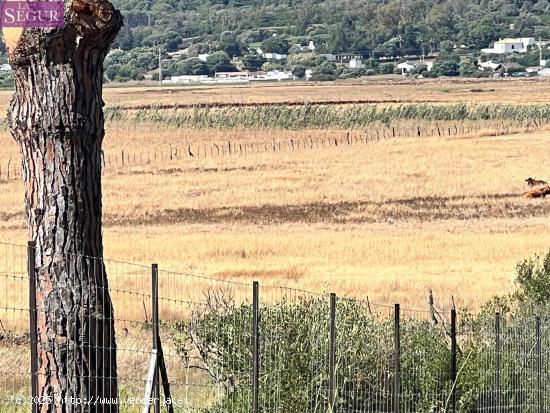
{"x":14,"y":326}
{"x":191,"y":343}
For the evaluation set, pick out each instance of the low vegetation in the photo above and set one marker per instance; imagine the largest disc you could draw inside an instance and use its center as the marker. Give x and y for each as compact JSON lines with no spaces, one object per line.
{"x":294,"y":343}
{"x":330,"y":116}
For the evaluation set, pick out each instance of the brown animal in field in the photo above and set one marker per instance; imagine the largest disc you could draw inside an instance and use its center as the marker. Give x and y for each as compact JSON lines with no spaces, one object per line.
{"x":538,"y":192}
{"x":535,"y":182}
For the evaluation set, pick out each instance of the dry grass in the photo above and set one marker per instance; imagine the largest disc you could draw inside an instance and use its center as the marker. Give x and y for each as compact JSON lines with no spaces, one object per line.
{"x":389,"y":219}
{"x":386,"y":89}
{"x":395,"y":90}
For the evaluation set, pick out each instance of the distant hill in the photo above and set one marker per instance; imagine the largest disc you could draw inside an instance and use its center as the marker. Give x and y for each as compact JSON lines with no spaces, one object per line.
{"x":408,"y":26}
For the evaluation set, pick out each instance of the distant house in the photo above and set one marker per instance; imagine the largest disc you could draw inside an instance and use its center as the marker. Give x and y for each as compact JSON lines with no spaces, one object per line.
{"x":509,"y":45}
{"x":490,"y":65}
{"x":203,"y":56}
{"x":355,"y":63}
{"x":275,"y":56}
{"x":187,"y":79}
{"x":309,"y":48}
{"x":177,"y":54}
{"x":344,"y":57}
{"x":245,"y":75}
{"x":271,"y":55}
{"x":273,"y":75}
{"x":405,"y":67}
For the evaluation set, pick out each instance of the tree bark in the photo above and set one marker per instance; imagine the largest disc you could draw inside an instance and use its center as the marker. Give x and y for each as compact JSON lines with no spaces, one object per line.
{"x":56,"y":117}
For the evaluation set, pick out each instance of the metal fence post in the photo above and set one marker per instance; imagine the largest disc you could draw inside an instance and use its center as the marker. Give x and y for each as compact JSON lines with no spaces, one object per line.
{"x":332,"y":355}
{"x":155,"y":319}
{"x":31,"y":269}
{"x":540,"y":408}
{"x":255,"y":347}
{"x":497,"y":363}
{"x":397,"y":359}
{"x":453,"y":360}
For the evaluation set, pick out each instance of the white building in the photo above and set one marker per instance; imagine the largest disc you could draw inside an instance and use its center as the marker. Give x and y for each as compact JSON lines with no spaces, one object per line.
{"x":516,"y":45}
{"x":355,"y":63}
{"x":272,"y":75}
{"x":275,"y":56}
{"x":233,"y":76}
{"x":405,"y":67}
{"x":203,"y":56}
{"x":343,"y":57}
{"x":187,"y":79}
{"x":271,"y":55}
{"x":177,"y":54}
{"x":311,"y":46}
{"x":490,"y":65}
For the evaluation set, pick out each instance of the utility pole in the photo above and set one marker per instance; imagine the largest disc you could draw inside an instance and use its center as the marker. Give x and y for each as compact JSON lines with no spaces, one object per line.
{"x":160,"y":68}
{"x":540,"y":51}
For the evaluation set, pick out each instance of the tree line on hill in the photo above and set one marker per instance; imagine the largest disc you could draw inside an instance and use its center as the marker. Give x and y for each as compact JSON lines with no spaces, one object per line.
{"x":231,"y":30}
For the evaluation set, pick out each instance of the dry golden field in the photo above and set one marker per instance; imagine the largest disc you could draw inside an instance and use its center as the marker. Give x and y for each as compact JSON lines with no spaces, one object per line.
{"x":388,"y":220}
{"x":390,"y":89}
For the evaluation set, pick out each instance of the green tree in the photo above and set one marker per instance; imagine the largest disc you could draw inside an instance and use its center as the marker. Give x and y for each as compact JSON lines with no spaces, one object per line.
{"x":468,"y":68}
{"x":220,"y":62}
{"x":193,"y":66}
{"x":299,"y":71}
{"x":275,"y":44}
{"x":231,"y":45}
{"x":341,"y":36}
{"x":253,"y":62}
{"x":446,"y":68}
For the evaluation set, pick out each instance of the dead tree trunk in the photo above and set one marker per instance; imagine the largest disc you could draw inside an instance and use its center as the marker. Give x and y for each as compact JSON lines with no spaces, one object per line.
{"x":56,"y":117}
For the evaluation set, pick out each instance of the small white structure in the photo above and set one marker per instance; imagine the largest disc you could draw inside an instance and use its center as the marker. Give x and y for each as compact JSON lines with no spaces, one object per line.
{"x":544,"y":62}
{"x":405,"y":67}
{"x":275,"y":56}
{"x":271,"y":55}
{"x":232,"y":76}
{"x":355,"y":63}
{"x":186,"y":79}
{"x":177,"y":54}
{"x":516,"y":45}
{"x":311,"y":46}
{"x":343,"y":57}
{"x":272,"y":75}
{"x":545,"y":72}
{"x":309,"y":73}
{"x":490,"y":65}
{"x":203,"y":56}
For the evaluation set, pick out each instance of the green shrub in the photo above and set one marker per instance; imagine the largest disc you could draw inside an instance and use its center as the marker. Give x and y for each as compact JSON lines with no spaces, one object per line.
{"x":294,"y":346}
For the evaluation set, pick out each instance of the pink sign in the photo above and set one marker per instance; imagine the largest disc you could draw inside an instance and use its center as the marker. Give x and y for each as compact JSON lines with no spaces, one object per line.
{"x":32,"y":14}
